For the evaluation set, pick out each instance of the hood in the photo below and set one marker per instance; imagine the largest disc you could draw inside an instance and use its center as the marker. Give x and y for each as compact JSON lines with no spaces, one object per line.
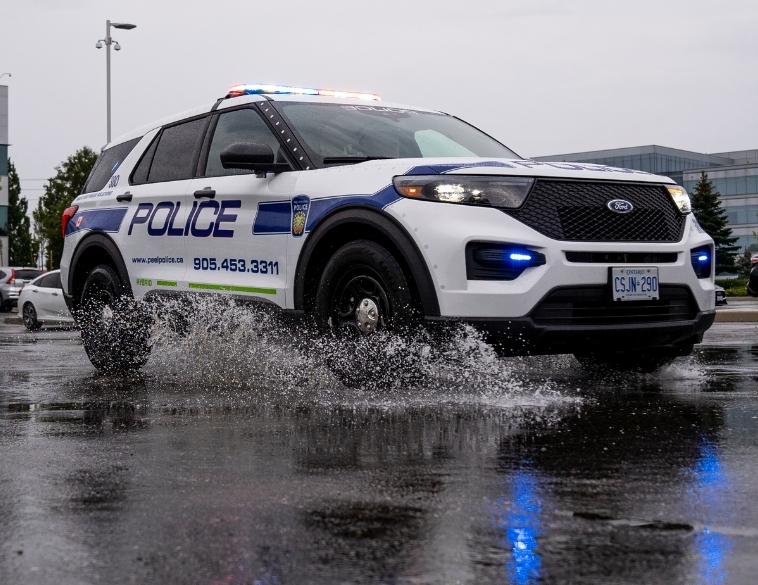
{"x":522,"y":167}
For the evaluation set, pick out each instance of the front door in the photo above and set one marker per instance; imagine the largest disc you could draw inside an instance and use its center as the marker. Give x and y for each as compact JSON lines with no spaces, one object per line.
{"x":227,"y":255}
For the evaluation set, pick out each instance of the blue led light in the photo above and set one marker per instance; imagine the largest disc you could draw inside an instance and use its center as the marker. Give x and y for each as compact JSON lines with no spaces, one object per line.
{"x":520,"y":257}
{"x":702,"y":258}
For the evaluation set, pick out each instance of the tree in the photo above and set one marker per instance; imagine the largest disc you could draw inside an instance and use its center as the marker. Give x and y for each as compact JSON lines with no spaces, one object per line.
{"x":706,"y":205}
{"x":60,"y":191}
{"x":22,"y":249}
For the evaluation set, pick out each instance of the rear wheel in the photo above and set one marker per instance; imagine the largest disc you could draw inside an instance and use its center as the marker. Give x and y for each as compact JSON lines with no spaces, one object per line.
{"x":115,"y":328}
{"x":29,"y":315}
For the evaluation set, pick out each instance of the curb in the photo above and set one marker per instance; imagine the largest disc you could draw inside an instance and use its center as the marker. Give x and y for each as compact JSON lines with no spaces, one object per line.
{"x":13,"y":321}
{"x":737,"y":316}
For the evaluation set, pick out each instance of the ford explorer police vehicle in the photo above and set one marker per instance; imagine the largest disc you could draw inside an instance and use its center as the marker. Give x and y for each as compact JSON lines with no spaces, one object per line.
{"x":363,"y":215}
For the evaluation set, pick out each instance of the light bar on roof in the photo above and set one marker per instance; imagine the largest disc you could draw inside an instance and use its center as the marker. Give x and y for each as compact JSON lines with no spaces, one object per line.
{"x":252,"y":89}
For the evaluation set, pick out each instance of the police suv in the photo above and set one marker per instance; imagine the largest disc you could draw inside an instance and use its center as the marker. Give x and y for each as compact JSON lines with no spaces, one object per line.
{"x":363,"y":215}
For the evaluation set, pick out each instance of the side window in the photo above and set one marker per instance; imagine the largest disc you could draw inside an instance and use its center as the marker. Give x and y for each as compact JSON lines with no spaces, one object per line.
{"x":139,"y":176}
{"x":107,"y":163}
{"x":244,"y":125}
{"x":50,"y":281}
{"x":176,"y":152}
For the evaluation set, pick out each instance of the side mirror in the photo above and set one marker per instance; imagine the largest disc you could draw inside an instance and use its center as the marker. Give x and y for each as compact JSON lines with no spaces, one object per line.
{"x":252,"y":156}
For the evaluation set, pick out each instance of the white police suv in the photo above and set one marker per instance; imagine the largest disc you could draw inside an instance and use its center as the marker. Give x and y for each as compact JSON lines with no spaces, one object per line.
{"x":365,"y":215}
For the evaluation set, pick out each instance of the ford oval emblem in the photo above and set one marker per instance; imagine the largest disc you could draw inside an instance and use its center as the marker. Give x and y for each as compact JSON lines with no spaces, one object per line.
{"x":620,"y":206}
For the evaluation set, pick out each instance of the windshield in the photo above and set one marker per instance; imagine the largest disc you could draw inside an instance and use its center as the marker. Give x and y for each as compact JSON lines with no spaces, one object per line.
{"x":339,"y":134}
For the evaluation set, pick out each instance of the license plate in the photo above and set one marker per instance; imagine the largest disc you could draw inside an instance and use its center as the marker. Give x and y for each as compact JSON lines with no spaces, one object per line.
{"x":634,"y":284}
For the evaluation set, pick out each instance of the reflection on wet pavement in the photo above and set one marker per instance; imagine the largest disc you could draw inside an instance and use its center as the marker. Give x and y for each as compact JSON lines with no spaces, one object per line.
{"x":553,"y":477}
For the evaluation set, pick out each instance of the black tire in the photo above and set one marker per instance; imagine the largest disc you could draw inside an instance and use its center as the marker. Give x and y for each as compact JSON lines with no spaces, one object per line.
{"x":4,"y":306}
{"x":363,"y":271}
{"x":364,"y":275}
{"x":115,"y":328}
{"x":29,"y":315}
{"x":643,"y":362}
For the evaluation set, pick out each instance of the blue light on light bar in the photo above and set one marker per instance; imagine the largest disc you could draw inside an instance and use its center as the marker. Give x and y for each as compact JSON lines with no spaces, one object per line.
{"x":256,"y":89}
{"x":520,"y":257}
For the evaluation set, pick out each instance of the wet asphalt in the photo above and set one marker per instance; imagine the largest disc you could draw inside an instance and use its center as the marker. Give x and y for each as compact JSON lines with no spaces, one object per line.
{"x":209,"y":471}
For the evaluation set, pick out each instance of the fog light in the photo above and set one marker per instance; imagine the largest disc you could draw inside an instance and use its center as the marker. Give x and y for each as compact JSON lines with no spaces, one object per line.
{"x":702,"y":261}
{"x":495,"y":261}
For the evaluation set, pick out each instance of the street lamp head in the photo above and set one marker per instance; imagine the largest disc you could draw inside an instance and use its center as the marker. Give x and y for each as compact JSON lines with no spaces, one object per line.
{"x":123,"y":25}
{"x":116,"y":46}
{"x":99,"y":45}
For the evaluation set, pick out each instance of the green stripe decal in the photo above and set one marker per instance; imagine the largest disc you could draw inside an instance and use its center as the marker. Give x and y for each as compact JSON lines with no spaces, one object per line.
{"x":232,"y":288}
{"x":165,"y":282}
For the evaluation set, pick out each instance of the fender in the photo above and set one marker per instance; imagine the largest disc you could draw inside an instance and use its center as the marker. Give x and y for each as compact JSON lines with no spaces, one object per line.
{"x":91,"y":241}
{"x":389,"y":228}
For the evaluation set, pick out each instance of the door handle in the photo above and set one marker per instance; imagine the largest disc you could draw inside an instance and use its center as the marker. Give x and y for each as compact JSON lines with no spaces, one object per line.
{"x":207,"y":192}
{"x":125,"y":196}
{"x":34,"y":290}
{"x":55,"y":294}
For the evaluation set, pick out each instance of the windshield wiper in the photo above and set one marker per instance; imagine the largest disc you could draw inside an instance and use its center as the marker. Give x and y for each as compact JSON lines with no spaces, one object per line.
{"x":341,"y":160}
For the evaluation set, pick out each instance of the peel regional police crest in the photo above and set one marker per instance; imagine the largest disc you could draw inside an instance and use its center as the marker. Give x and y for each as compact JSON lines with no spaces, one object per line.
{"x":300,"y":207}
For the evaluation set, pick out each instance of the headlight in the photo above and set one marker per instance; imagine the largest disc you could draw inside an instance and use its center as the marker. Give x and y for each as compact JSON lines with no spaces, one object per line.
{"x":680,"y":197}
{"x":503,"y":192}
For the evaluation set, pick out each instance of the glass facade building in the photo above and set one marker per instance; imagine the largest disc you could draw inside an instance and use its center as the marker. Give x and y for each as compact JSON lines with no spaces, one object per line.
{"x":734,"y":175}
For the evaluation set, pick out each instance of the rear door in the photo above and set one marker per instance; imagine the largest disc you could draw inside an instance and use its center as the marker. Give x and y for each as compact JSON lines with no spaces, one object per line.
{"x":154,"y":235}
{"x":226,"y":254}
{"x":48,"y":296}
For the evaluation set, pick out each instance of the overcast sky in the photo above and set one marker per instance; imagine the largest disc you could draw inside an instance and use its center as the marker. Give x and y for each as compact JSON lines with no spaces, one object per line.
{"x":543,"y":76}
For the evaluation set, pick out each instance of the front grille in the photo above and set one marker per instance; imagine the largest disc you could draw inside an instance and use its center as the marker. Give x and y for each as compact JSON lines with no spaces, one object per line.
{"x":578,"y":211}
{"x":594,"y":305}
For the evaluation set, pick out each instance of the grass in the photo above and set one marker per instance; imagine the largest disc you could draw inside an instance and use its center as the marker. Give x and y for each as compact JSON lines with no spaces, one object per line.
{"x":734,"y":287}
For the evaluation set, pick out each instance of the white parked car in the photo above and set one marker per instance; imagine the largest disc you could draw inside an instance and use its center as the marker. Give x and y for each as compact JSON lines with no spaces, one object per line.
{"x":362,"y":215}
{"x":41,"y":302}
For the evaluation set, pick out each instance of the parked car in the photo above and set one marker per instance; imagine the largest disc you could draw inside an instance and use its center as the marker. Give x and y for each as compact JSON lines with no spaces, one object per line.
{"x":41,"y":302}
{"x":752,"y":283}
{"x":12,"y":280}
{"x":720,"y":295}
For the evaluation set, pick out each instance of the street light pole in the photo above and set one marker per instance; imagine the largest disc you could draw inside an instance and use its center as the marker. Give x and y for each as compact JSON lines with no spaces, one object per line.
{"x":108,"y":41}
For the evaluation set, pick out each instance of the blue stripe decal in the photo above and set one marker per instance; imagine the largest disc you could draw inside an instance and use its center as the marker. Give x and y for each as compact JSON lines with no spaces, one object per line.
{"x":439,"y":169}
{"x":97,"y":220}
{"x":273,"y":217}
{"x":322,"y":207}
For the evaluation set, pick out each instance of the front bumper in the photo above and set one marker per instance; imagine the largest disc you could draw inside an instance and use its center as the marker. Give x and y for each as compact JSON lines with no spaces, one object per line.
{"x":524,"y":336}
{"x":442,"y":231}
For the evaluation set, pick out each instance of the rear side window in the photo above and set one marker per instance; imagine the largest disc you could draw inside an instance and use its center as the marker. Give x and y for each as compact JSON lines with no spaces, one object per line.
{"x":28,"y":273}
{"x":176,"y":152}
{"x":2,"y":275}
{"x":107,"y":163}
{"x":50,"y":281}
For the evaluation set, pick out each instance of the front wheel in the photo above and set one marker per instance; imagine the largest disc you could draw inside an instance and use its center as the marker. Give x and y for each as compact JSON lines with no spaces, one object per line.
{"x":29,"y":315}
{"x":115,"y":328}
{"x":362,"y":297}
{"x":363,"y":290}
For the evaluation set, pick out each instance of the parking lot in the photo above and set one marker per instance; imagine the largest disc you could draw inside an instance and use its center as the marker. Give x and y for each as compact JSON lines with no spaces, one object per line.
{"x":231,"y":462}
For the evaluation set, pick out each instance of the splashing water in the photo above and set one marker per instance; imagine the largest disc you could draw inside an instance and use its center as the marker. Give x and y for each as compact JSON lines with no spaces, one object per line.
{"x":227,"y":347}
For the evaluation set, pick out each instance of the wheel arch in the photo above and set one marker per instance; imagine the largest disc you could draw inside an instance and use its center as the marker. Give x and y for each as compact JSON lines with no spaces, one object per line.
{"x":351,"y":223}
{"x":94,"y":249}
